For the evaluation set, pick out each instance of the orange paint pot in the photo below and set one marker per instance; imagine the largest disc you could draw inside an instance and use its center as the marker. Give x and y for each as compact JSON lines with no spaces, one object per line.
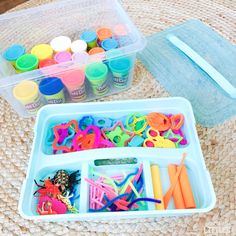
{"x":104,"y":33}
{"x":158,"y":121}
{"x":95,"y":50}
{"x":98,"y":54}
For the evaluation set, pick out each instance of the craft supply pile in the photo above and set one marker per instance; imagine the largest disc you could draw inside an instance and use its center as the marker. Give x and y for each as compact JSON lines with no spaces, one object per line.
{"x":124,"y":191}
{"x":135,"y":130}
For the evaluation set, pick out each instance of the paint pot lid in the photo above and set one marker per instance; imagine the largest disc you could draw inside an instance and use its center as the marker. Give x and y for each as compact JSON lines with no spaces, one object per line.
{"x":61,"y":57}
{"x":95,"y":50}
{"x":25,"y":90}
{"x":14,"y":52}
{"x":88,"y":36}
{"x":78,"y":46}
{"x":104,"y":33}
{"x":120,"y":65}
{"x":80,"y":57}
{"x":61,"y":43}
{"x":120,"y":30}
{"x":109,"y":44}
{"x":27,"y":62}
{"x":50,"y":86}
{"x":42,"y":51}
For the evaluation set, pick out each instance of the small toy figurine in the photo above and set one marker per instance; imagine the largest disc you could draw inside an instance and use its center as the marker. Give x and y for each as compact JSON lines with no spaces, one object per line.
{"x":66,"y":181}
{"x":48,"y":189}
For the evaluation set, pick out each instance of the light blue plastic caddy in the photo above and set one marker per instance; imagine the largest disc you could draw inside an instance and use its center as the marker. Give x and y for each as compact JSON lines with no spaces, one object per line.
{"x":41,"y":163}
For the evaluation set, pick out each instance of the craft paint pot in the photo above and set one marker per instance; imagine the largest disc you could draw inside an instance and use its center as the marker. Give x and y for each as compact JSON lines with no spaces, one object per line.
{"x":61,"y":57}
{"x":98,"y":54}
{"x":12,"y":53}
{"x":121,"y":35}
{"x":103,"y":33}
{"x":78,"y":46}
{"x":27,"y":62}
{"x":120,"y":69}
{"x":80,"y":57}
{"x":109,"y":44}
{"x":96,"y":50}
{"x":47,"y":62}
{"x":61,"y":44}
{"x":120,"y":30}
{"x":42,"y":51}
{"x":96,"y":74}
{"x":90,"y":38}
{"x":27,"y":93}
{"x":53,"y":90}
{"x":74,"y":82}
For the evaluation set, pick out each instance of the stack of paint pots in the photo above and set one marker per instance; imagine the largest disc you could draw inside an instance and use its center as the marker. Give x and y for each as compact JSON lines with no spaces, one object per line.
{"x":88,"y":52}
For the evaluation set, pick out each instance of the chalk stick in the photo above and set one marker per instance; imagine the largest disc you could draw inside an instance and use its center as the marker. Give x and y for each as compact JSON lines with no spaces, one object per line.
{"x":170,"y":191}
{"x":157,"y":187}
{"x":177,"y":194}
{"x":186,"y":189}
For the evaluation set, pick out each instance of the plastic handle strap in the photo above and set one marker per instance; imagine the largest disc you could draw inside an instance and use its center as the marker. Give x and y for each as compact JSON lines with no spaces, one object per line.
{"x":204,"y":65}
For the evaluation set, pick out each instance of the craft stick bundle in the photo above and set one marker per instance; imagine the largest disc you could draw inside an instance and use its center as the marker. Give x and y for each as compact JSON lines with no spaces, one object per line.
{"x":180,"y":188}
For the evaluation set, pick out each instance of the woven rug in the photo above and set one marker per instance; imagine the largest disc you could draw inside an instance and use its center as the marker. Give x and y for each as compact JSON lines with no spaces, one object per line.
{"x":218,"y":143}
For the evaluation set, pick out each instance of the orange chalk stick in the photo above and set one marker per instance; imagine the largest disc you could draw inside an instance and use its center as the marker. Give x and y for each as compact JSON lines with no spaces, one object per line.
{"x":177,"y":194}
{"x":169,"y":193}
{"x":186,"y":189}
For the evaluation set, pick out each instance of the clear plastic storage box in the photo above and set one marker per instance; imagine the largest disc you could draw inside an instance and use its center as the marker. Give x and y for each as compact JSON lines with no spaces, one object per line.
{"x":71,"y":18}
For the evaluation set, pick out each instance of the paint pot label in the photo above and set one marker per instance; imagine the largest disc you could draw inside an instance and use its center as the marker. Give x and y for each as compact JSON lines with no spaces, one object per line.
{"x":34,"y":106}
{"x":78,"y":94}
{"x":55,"y":100}
{"x":101,"y":89}
{"x":120,"y":81}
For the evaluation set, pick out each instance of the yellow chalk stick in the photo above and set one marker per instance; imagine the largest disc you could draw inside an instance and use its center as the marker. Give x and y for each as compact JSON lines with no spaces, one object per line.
{"x":157,"y":188}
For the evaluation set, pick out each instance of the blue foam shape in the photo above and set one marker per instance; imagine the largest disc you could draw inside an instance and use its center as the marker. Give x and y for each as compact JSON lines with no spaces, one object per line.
{"x":182,"y":77}
{"x":136,"y":141}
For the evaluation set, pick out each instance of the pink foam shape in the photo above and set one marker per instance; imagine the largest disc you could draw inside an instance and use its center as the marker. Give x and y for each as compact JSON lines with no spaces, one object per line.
{"x":57,"y":205}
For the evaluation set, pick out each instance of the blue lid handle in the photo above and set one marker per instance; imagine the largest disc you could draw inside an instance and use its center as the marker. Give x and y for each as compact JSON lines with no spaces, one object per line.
{"x":204,"y":65}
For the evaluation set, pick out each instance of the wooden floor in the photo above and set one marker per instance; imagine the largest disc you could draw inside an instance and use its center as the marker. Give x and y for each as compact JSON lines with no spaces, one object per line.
{"x":8,"y":4}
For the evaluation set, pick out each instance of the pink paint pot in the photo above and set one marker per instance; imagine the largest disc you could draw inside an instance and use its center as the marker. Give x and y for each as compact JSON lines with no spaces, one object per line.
{"x":74,"y":82}
{"x":61,"y":57}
